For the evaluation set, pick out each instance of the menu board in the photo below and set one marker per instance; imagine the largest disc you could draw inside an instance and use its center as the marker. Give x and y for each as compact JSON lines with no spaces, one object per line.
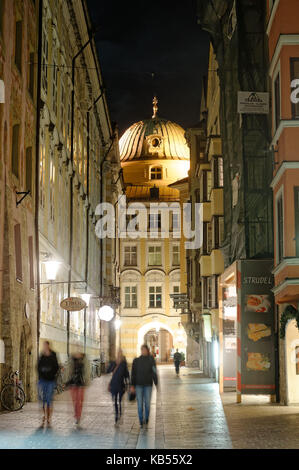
{"x":257,"y":339}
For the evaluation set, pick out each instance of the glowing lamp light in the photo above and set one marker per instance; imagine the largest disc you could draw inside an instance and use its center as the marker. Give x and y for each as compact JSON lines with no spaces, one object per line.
{"x":117,"y":324}
{"x":86,"y":298}
{"x":157,"y":327}
{"x":106,"y":313}
{"x":216,"y":353}
{"x":52,"y":269}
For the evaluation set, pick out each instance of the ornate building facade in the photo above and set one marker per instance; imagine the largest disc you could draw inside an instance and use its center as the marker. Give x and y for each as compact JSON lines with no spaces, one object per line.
{"x":154,"y":154}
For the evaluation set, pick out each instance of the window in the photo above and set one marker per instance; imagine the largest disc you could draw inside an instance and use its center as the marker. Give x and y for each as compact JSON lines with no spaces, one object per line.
{"x":18,"y":252}
{"x":15,"y":150}
{"x":42,"y":171}
{"x":176,"y":290}
{"x":62,"y":111}
{"x":154,"y":221}
{"x":156,"y":173}
{"x":218,"y":228}
{"x":204,"y":286}
{"x":54,"y":85}
{"x":131,"y":297}
{"x":175,"y":255}
{"x":296,"y":197}
{"x":155,"y":297}
{"x":31,"y":263}
{"x":218,"y":172}
{"x":52,"y":187}
{"x":210,"y":292}
{"x":130,"y":256}
{"x":277,"y":101}
{"x":18,"y":46}
{"x":295,"y":74}
{"x":31,"y":74}
{"x":29,"y":169}
{"x":154,"y":255}
{"x":207,"y":238}
{"x":205,"y":185}
{"x":279,"y":206}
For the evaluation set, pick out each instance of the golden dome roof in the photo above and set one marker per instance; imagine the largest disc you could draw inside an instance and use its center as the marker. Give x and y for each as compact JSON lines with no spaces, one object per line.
{"x":154,"y":138}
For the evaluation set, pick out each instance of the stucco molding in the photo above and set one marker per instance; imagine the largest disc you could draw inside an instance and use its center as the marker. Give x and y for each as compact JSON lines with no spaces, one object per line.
{"x":282,"y":169}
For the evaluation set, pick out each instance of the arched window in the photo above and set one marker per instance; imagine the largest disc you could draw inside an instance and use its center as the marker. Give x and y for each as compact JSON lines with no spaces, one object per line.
{"x":15,"y":150}
{"x":156,"y":173}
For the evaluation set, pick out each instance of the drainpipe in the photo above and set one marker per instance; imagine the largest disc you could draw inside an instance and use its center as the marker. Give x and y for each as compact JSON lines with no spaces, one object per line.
{"x":37,"y":169}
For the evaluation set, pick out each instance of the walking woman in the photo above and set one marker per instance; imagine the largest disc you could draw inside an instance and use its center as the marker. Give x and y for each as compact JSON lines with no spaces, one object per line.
{"x":118,"y":383}
{"x":47,"y":371}
{"x":79,"y":378}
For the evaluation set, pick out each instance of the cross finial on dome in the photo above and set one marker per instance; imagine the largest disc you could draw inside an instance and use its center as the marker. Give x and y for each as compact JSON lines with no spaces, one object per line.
{"x":155,"y":107}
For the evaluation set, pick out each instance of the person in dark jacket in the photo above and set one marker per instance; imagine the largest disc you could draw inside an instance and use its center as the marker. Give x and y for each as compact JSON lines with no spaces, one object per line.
{"x":117,"y":385}
{"x":47,"y":371}
{"x":144,"y":374}
{"x":177,"y":359}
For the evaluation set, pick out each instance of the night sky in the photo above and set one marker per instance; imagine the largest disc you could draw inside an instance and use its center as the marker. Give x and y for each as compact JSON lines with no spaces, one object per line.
{"x":138,"y":38}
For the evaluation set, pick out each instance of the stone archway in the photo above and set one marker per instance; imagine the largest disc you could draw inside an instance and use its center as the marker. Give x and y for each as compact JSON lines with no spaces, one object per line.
{"x":153,"y":325}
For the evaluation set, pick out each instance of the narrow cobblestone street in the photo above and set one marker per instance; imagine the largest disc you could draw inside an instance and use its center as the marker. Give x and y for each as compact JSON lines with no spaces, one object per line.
{"x":187,"y":412}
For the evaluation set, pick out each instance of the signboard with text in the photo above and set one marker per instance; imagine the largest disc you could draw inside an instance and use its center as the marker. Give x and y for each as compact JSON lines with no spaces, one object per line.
{"x":73,"y":304}
{"x":256,"y":331}
{"x":229,"y":338}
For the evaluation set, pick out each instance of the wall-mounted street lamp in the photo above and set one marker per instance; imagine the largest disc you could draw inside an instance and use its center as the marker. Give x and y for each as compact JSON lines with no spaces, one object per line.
{"x":106,"y":313}
{"x":51,"y":268}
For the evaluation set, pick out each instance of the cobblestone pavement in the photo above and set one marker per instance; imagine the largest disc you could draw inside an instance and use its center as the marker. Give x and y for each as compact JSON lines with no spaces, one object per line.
{"x":187,"y":412}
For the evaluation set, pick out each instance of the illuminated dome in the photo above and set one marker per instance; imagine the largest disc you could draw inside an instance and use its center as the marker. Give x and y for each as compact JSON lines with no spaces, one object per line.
{"x":154,"y":138}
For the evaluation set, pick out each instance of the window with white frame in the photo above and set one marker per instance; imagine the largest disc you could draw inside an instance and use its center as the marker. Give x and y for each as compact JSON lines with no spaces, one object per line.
{"x":155,"y":296}
{"x":130,"y":255}
{"x":175,"y":290}
{"x":45,"y":58}
{"x":175,"y":255}
{"x":176,"y":221}
{"x":52,"y":186}
{"x":154,"y":255}
{"x":154,"y":221}
{"x":280,"y":228}
{"x":130,"y":296}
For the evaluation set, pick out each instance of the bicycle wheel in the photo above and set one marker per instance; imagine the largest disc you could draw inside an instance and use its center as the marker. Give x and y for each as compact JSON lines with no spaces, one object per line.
{"x":12,"y":397}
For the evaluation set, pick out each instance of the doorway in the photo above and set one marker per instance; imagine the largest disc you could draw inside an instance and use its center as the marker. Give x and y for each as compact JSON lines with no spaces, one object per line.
{"x":160,"y":344}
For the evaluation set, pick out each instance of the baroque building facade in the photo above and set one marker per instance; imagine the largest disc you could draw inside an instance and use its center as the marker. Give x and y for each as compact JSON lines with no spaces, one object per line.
{"x":154,"y":154}
{"x":18,"y":71}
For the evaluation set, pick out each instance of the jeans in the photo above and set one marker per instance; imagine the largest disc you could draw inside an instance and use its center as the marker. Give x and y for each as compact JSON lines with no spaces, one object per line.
{"x":117,"y":397}
{"x":177,"y":367}
{"x":77,"y":394}
{"x":143,"y":395}
{"x":46,"y":391}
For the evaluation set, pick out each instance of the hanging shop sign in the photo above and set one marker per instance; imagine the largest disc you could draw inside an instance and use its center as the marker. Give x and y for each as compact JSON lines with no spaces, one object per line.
{"x":253,"y":102}
{"x":255,"y":332}
{"x":73,"y":304}
{"x":229,"y":316}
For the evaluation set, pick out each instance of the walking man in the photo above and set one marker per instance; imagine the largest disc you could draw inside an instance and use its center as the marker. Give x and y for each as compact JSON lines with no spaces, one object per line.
{"x":144,"y":373}
{"x":177,"y":359}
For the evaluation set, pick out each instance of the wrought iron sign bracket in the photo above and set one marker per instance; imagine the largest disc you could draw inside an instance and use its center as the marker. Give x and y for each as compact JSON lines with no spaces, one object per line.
{"x":24,"y":193}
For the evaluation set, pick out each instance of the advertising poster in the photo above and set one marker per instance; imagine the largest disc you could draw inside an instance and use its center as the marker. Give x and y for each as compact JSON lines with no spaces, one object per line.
{"x":257,"y":340}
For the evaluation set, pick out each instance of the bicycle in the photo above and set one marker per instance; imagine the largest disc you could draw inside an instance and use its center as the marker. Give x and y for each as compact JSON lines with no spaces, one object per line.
{"x":12,"y":395}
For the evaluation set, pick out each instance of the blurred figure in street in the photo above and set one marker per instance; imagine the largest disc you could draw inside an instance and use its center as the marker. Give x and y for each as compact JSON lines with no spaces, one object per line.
{"x":47,"y":370}
{"x":118,"y":383}
{"x":144,"y":374}
{"x":78,"y":378}
{"x":177,"y":359}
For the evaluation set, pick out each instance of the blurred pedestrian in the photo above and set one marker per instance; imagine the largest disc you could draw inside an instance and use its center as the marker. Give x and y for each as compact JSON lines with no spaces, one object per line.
{"x":47,"y":370}
{"x":78,"y":378}
{"x":144,"y":374}
{"x":177,"y":359}
{"x":118,"y":383}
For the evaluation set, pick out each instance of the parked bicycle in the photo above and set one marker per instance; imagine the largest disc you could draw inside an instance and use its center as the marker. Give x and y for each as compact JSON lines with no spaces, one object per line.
{"x":95,"y":368}
{"x":12,"y":395}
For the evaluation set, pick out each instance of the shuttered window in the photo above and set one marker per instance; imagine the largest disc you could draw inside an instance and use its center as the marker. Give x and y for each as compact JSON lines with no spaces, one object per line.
{"x":18,"y":252}
{"x":18,"y":45}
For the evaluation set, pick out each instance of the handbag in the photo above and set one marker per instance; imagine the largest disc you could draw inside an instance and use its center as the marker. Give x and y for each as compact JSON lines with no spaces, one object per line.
{"x":131,"y":395}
